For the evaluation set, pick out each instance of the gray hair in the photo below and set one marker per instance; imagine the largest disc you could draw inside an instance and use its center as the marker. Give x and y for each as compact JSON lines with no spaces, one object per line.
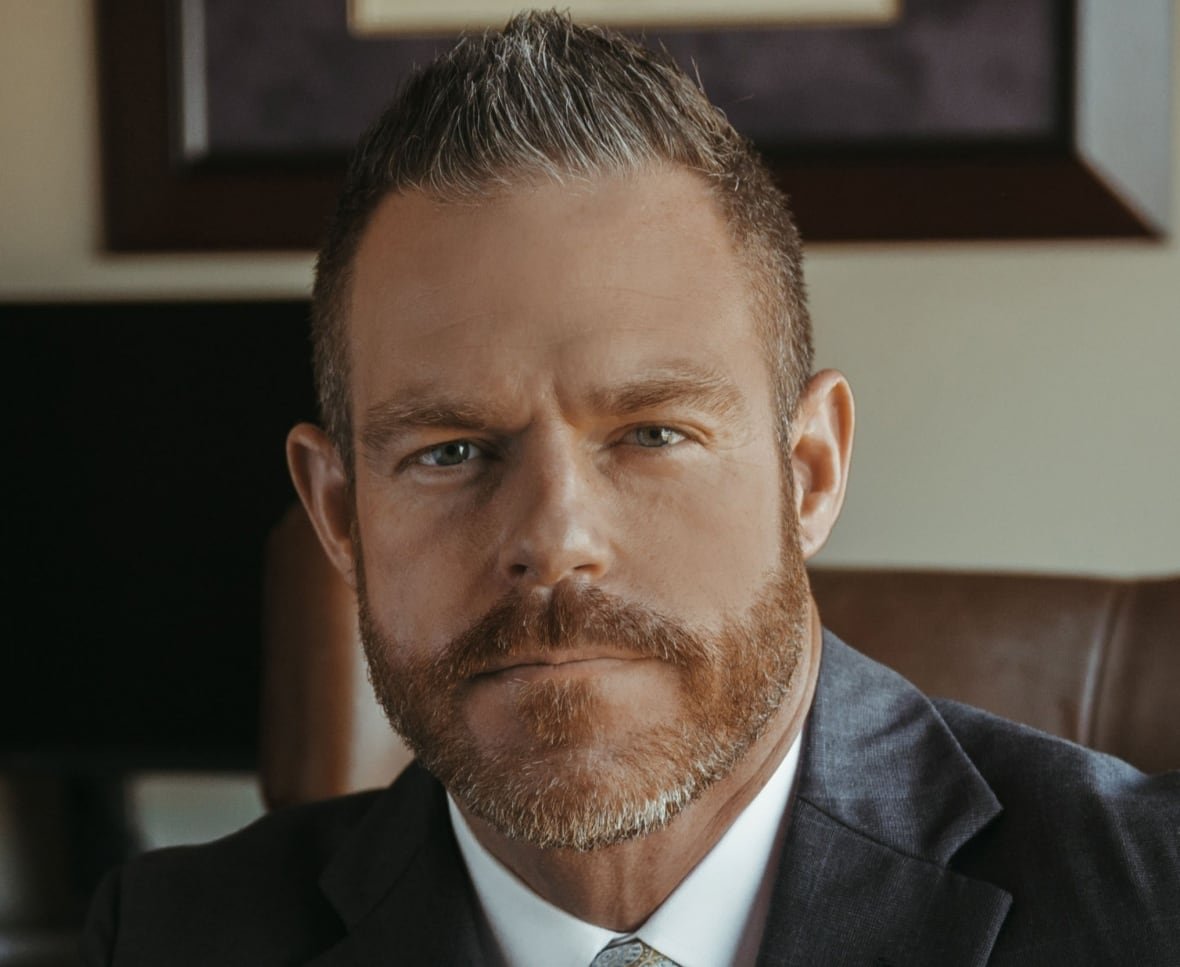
{"x":546,"y":98}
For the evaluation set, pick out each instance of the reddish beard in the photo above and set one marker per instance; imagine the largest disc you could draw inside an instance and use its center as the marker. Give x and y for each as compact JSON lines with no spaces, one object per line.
{"x":549,"y":791}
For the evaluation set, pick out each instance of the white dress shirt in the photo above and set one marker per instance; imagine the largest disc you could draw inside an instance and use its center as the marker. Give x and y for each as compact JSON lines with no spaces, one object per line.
{"x":714,"y":918}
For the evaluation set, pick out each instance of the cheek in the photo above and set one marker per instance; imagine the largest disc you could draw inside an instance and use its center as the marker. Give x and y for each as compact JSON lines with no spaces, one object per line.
{"x":711,"y":537}
{"x":422,"y":565}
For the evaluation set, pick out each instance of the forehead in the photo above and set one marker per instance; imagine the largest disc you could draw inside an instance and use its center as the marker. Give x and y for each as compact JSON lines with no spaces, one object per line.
{"x":565,"y":282}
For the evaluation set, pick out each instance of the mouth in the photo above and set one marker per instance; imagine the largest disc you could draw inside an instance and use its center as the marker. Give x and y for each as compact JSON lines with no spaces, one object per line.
{"x":556,"y":664}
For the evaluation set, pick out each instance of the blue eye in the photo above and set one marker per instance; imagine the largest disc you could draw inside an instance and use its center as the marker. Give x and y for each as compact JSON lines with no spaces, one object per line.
{"x":656,"y":436}
{"x":449,"y":454}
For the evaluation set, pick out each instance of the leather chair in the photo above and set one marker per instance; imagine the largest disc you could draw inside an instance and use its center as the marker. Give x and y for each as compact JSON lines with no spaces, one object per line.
{"x":1094,"y":661}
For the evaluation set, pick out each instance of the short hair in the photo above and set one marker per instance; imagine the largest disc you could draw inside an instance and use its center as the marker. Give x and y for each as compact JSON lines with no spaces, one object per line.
{"x":548,"y":98}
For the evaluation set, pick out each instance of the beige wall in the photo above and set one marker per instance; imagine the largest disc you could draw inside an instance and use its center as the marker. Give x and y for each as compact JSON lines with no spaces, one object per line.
{"x":1018,"y":403}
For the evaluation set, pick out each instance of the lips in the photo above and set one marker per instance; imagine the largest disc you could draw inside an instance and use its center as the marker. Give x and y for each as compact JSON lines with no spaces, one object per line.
{"x":541,"y":663}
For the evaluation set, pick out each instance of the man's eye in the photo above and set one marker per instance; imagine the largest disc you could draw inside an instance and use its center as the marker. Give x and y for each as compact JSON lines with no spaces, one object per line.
{"x":450,"y":454}
{"x":655,"y":436}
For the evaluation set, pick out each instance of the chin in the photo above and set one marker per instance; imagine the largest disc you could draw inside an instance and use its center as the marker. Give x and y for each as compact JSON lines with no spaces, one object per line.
{"x":575,"y":785}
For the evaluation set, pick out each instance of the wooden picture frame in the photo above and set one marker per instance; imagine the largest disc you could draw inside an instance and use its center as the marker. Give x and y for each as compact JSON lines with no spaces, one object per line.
{"x":1089,"y":154}
{"x":377,"y":17}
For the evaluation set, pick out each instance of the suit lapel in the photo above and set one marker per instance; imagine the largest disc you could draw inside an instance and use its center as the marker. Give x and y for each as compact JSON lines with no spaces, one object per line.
{"x":845,"y":899}
{"x":400,"y":885}
{"x":886,"y":798}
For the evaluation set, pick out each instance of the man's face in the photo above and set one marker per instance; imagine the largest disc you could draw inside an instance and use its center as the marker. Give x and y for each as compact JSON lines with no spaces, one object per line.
{"x":581,"y":588}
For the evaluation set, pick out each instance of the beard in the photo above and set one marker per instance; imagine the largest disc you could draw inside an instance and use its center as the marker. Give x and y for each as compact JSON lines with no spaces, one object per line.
{"x":562,"y":785}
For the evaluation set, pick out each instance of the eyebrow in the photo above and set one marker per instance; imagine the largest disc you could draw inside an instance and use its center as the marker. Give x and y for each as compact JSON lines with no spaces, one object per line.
{"x":701,"y":389}
{"x":387,"y":420}
{"x":416,"y":409}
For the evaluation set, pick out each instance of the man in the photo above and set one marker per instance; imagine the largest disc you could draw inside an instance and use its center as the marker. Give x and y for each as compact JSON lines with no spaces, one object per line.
{"x":574,"y":459}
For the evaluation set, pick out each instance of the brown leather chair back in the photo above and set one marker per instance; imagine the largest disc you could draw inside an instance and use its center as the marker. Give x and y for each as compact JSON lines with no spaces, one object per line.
{"x":322,"y":732}
{"x":1095,"y":661}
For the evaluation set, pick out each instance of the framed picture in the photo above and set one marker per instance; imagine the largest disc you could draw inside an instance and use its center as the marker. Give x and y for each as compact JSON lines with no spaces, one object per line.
{"x":226,"y":125}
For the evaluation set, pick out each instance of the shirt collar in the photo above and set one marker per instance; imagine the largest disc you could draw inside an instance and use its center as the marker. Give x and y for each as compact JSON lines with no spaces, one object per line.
{"x":715,"y":916}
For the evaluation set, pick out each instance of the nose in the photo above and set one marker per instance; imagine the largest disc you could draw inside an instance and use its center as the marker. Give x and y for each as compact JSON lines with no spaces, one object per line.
{"x":556,"y":509}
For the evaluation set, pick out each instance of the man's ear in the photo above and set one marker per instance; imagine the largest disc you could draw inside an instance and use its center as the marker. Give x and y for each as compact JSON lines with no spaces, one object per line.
{"x":821,"y":450}
{"x":320,"y":479}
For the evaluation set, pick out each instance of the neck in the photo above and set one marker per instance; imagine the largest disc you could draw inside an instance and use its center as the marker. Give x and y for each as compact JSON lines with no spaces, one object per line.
{"x":620,"y":886}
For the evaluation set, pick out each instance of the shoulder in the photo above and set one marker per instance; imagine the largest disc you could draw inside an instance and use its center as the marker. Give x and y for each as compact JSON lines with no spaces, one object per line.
{"x":290,"y":845}
{"x":252,"y":898}
{"x":1029,"y":768}
{"x":1083,"y":837}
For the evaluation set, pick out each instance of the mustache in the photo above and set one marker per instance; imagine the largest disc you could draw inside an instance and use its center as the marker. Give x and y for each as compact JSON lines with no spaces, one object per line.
{"x":568,"y":617}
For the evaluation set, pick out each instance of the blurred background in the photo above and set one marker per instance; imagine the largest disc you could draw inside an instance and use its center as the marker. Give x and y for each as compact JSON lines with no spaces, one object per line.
{"x":1017,"y":410}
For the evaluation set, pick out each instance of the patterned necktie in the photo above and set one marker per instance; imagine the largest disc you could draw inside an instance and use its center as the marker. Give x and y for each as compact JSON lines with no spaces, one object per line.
{"x":631,"y":953}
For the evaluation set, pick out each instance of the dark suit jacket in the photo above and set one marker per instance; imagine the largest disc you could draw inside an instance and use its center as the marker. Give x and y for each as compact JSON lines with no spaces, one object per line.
{"x":923,"y":833}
